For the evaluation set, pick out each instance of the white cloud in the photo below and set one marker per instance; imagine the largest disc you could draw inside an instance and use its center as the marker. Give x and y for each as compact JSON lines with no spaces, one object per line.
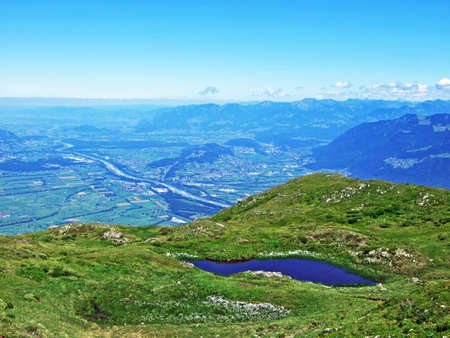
{"x":210,"y":90}
{"x":443,"y":84}
{"x":274,"y":93}
{"x":423,"y":88}
{"x":342,"y":84}
{"x":393,"y":90}
{"x":397,"y":90}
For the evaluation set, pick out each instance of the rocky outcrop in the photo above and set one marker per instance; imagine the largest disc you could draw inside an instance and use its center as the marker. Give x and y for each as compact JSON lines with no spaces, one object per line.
{"x":268,"y":274}
{"x":115,"y":236}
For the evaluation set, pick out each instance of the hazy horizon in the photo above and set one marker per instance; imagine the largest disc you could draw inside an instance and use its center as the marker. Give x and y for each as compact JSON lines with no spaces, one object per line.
{"x":87,"y":102}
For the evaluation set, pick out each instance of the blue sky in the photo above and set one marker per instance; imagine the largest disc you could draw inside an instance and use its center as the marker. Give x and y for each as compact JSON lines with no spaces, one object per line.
{"x":225,"y":50}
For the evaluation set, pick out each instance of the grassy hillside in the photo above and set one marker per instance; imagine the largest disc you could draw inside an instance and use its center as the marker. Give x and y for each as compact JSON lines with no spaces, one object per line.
{"x":99,"y":280}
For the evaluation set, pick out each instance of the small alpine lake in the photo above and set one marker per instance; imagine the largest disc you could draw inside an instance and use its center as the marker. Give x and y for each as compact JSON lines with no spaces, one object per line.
{"x":300,"y":269}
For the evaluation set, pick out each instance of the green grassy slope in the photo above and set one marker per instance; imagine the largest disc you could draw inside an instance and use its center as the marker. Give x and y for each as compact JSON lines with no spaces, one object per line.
{"x":99,"y":280}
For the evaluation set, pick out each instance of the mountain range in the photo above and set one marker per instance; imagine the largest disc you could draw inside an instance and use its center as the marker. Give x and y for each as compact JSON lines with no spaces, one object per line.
{"x":410,"y":149}
{"x":285,"y":122}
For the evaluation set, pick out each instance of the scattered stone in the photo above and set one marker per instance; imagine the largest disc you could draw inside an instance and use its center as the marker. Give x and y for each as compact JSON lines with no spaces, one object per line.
{"x":269,"y":274}
{"x":64,"y":229}
{"x":251,"y":311}
{"x":392,"y":257}
{"x":381,"y":287}
{"x":402,"y":253}
{"x":292,"y":253}
{"x":181,"y":255}
{"x":346,"y":193}
{"x":79,"y":228}
{"x":243,"y":240}
{"x":354,"y":253}
{"x":115,"y":236}
{"x":188,"y":265}
{"x":414,"y":280}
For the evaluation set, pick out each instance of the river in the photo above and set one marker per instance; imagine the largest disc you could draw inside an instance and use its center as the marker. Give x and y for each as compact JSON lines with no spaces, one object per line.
{"x":117,"y":172}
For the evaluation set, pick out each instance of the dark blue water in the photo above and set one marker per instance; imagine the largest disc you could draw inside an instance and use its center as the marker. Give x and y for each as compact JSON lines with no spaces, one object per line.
{"x":300,"y":269}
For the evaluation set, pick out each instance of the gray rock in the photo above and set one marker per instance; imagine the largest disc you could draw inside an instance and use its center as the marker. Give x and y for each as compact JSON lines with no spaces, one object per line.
{"x":268,"y":274}
{"x":115,"y":236}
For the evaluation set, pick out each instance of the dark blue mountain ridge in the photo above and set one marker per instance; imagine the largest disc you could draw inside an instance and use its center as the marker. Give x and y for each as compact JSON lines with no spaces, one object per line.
{"x":308,"y":118}
{"x":410,"y":149}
